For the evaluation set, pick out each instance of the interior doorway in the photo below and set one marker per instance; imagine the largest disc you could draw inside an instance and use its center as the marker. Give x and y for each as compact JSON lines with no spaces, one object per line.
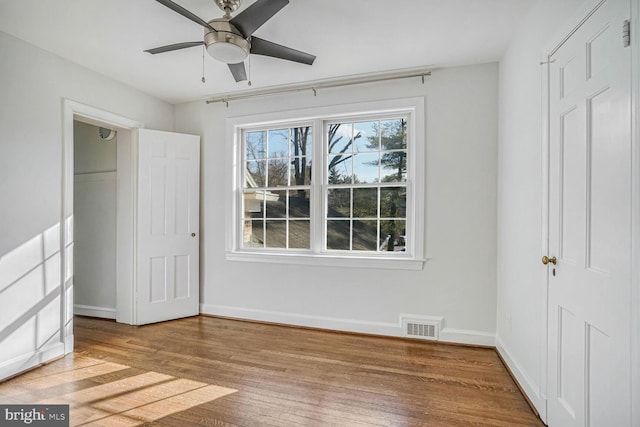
{"x":94,"y":231}
{"x":112,"y":295}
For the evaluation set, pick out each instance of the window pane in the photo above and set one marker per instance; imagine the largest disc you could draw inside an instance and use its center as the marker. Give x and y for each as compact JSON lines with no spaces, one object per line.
{"x":366,"y":168}
{"x":278,"y":143}
{"x":255,"y":175}
{"x":278,"y":173}
{"x":299,"y":204}
{"x":253,"y":204}
{"x":300,"y":171}
{"x":394,"y":134}
{"x":278,"y":158}
{"x":276,"y":234}
{"x":393,"y":202}
{"x":252,"y":234}
{"x":365,"y":202}
{"x":276,"y":204}
{"x":256,"y":145}
{"x":369,"y":137}
{"x":301,"y":139}
{"x":394,"y":166}
{"x":338,"y":234}
{"x":339,"y":203}
{"x":300,"y":234}
{"x":340,"y":168}
{"x":339,"y":138}
{"x":365,"y":235}
{"x":392,"y":236}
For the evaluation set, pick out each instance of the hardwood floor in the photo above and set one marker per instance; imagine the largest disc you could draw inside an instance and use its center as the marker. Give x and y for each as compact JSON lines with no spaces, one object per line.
{"x":219,"y":372}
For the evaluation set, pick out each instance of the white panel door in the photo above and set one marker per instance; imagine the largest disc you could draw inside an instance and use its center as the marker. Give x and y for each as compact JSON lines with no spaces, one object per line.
{"x":167,"y":262}
{"x":590,"y":224}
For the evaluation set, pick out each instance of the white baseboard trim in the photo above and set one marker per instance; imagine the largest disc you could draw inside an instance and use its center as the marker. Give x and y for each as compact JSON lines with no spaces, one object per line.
{"x":526,"y":383}
{"x":20,"y":364}
{"x":68,"y":344}
{"x":464,"y":336}
{"x":347,"y":325}
{"x":92,"y":311}
{"x":344,"y":325}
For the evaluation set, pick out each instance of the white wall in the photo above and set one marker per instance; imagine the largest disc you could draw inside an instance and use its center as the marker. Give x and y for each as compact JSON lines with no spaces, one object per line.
{"x":94,"y":212}
{"x":459,"y":280}
{"x":33,"y":84}
{"x":521,"y":318}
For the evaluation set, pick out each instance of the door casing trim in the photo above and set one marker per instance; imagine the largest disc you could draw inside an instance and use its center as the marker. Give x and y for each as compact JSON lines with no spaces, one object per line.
{"x":125,"y":239}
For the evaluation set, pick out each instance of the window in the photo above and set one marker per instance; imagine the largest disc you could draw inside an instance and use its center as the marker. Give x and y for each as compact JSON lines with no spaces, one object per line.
{"x":330,"y":187}
{"x":277,"y":185}
{"x":366,"y":169}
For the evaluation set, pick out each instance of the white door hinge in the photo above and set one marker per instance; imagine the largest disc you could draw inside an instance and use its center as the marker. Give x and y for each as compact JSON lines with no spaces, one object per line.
{"x":626,"y":33}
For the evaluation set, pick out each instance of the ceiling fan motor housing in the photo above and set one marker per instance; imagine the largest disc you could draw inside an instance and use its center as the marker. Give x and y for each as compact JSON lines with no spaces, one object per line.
{"x":226,"y":43}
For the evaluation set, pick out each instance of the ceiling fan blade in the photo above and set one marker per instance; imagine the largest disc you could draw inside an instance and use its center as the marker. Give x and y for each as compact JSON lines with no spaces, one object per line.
{"x":257,"y":14}
{"x":238,"y":71}
{"x":171,"y":47}
{"x":267,"y":48}
{"x":184,"y":12}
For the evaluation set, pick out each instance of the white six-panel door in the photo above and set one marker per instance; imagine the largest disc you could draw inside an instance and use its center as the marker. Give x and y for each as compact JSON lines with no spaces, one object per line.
{"x":167,"y":265}
{"x":590,"y":224}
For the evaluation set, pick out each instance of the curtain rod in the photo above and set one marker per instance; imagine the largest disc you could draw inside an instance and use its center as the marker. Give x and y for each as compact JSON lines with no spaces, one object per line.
{"x":321,"y":85}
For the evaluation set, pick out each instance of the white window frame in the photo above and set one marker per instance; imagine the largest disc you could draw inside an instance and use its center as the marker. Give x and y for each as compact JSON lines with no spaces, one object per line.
{"x":413,"y":259}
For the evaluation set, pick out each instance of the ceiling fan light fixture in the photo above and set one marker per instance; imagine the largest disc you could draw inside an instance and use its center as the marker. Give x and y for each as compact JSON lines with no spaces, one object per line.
{"x":227,"y":47}
{"x":228,"y":53}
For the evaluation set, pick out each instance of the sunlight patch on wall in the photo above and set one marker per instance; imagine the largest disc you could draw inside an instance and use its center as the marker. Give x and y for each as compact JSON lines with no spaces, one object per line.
{"x":30,"y":300}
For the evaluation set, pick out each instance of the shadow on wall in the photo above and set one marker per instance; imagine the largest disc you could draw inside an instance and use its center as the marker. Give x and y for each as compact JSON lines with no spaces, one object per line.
{"x":31,"y":303}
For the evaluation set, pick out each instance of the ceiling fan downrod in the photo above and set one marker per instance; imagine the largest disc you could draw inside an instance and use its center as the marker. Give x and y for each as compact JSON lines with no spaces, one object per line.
{"x":228,"y":6}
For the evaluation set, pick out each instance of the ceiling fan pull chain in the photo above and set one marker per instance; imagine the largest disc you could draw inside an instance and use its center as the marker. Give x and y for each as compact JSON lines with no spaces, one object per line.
{"x":249,"y":66}
{"x":203,"y":79}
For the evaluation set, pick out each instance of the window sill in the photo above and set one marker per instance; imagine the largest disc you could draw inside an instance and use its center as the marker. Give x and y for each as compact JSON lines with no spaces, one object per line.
{"x":329,"y":260}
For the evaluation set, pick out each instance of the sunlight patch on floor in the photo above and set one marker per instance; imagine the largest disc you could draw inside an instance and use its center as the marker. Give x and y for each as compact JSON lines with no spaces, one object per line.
{"x":27,"y":383}
{"x":129,"y":401}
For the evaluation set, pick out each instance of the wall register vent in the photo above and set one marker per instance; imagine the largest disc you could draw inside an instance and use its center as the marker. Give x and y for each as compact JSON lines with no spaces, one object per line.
{"x":427,"y":328}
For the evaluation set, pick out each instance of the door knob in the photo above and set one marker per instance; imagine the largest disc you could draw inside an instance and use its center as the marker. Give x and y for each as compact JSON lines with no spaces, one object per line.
{"x":546,"y":260}
{"x":193,"y":234}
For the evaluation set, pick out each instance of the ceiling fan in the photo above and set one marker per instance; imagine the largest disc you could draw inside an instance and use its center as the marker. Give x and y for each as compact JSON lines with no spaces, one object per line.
{"x":230,"y":40}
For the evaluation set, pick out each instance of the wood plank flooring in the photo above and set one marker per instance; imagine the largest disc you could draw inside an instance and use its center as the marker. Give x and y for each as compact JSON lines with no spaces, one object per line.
{"x":220,"y":372}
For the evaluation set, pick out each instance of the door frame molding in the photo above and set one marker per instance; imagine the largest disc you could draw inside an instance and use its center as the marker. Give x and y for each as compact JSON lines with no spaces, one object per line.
{"x":73,"y":110}
{"x":635,"y":212}
{"x":582,"y":14}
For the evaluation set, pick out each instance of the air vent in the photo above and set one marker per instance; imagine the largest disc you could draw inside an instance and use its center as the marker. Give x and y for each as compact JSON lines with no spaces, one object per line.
{"x":427,"y":328}
{"x":421,"y":330}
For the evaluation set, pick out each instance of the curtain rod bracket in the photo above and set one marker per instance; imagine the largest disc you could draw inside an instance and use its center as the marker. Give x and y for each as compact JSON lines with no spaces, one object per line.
{"x":315,"y":93}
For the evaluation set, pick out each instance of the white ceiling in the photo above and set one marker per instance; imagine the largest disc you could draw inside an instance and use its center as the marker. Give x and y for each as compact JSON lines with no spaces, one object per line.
{"x":349,"y":37}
